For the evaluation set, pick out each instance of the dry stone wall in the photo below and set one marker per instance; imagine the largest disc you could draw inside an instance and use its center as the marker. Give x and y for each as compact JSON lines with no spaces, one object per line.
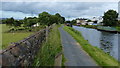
{"x":23,"y":53}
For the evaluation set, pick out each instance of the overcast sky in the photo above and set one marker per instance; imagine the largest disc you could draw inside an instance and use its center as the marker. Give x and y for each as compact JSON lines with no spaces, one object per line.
{"x":19,"y":10}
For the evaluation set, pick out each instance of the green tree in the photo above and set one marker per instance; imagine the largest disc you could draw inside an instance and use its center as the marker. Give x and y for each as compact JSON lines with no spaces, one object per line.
{"x":12,"y":22}
{"x":44,"y":18}
{"x":118,"y":22}
{"x":73,"y":22}
{"x":3,"y":21}
{"x":16,"y":23}
{"x":47,"y":19}
{"x":28,"y":22}
{"x":110,"y":18}
{"x":63,"y":18}
{"x":53,"y":19}
{"x":89,"y":20}
{"x":60,"y":19}
{"x":68,"y":22}
{"x":9,"y":21}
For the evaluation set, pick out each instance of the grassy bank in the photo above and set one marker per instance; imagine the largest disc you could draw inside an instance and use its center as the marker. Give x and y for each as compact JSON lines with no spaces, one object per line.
{"x":46,"y":55}
{"x":90,"y":26}
{"x":7,"y":38}
{"x":97,"y":54}
{"x":118,"y":28}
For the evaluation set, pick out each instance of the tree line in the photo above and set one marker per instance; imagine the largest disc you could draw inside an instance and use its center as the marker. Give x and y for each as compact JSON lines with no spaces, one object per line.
{"x":110,"y":18}
{"x":43,"y":18}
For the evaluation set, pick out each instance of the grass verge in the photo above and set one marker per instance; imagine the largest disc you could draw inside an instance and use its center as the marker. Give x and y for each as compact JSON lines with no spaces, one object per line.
{"x":118,"y":28}
{"x":97,"y":54}
{"x":0,"y":36}
{"x":63,"y":61}
{"x":46,"y":55}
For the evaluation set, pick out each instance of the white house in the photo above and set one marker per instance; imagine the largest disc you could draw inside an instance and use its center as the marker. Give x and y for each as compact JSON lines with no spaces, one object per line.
{"x":81,"y":21}
{"x":90,"y":23}
{"x":100,"y":19}
{"x":35,"y":25}
{"x":77,"y":21}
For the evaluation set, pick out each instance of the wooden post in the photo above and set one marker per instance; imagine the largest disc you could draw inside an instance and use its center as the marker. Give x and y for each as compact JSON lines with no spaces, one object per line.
{"x":58,"y":60}
{"x":46,"y":33}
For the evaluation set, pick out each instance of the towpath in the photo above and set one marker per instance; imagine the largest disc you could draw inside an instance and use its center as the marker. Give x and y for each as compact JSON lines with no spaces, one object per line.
{"x":74,"y":54}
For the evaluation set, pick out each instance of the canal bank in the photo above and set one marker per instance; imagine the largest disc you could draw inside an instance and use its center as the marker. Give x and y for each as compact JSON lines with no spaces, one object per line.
{"x":103,"y":28}
{"x":106,"y":41}
{"x":96,"y":53}
{"x":108,"y":29}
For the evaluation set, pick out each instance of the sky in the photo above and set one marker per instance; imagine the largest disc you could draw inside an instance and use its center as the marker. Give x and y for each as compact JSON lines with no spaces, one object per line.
{"x":70,"y":10}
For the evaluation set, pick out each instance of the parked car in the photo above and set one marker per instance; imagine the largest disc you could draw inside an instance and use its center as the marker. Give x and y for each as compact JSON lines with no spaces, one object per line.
{"x":78,"y":24}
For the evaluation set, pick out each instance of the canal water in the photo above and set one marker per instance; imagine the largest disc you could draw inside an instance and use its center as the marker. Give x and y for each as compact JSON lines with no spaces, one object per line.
{"x":108,"y":42}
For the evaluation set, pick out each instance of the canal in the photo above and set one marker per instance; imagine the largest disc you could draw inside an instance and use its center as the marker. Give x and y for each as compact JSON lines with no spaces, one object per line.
{"x":108,"y":42}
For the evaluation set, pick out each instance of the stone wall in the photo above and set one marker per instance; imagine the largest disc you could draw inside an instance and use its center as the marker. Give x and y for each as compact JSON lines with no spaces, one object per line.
{"x":23,"y":53}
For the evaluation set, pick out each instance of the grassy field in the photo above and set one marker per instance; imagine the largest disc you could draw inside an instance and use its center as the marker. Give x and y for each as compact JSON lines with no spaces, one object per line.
{"x":46,"y":55}
{"x":4,"y":28}
{"x":7,"y":38}
{"x":97,"y":54}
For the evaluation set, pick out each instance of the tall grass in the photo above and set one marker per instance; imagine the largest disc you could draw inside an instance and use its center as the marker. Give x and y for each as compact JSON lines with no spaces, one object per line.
{"x":46,"y":55}
{"x":97,"y":54}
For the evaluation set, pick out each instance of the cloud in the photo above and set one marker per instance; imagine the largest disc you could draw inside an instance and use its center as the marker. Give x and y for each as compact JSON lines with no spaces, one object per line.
{"x":67,"y":9}
{"x":60,"y":0}
{"x":16,"y":15}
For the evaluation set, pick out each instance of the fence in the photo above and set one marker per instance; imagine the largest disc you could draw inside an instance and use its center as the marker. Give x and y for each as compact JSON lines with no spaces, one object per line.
{"x":22,"y":53}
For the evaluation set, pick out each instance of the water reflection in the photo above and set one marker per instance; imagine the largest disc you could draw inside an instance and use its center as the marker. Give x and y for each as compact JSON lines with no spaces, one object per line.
{"x":108,"y":42}
{"x":118,"y":47}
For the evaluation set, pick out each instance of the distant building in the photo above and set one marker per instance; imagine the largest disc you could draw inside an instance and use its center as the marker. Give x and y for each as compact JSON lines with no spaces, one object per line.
{"x":35,"y":25}
{"x":81,"y":21}
{"x":93,"y":21}
{"x":97,"y":20}
{"x":119,"y":10}
{"x":90,"y":23}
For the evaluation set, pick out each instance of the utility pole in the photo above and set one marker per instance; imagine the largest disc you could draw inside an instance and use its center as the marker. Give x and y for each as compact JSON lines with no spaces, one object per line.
{"x":69,"y":18}
{"x":32,"y":13}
